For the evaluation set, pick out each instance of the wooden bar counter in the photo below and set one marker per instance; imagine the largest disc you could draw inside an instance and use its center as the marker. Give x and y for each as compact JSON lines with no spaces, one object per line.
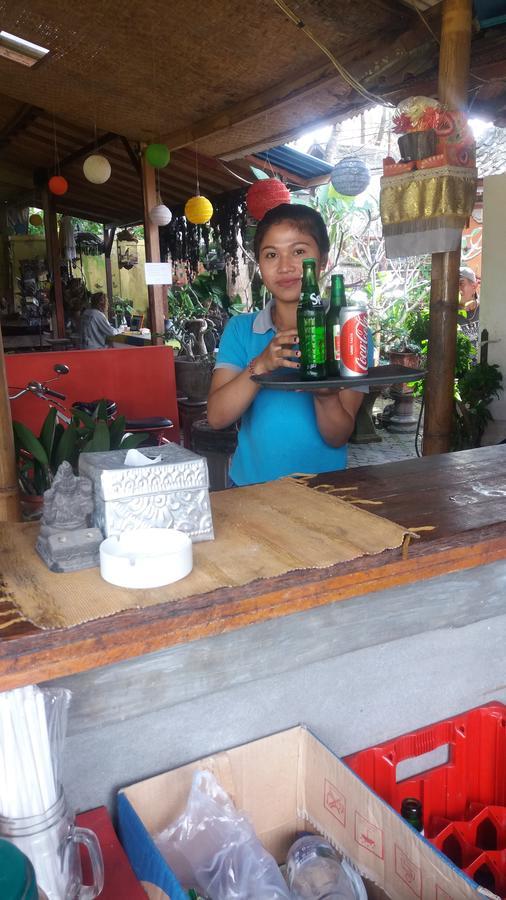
{"x":456,"y":502}
{"x":417,"y":639}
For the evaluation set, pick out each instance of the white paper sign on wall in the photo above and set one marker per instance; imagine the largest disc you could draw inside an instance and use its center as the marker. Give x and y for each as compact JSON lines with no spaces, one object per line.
{"x":158,"y":273}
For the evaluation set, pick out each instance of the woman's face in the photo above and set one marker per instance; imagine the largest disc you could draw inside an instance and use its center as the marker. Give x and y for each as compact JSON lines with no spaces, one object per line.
{"x":281,"y":253}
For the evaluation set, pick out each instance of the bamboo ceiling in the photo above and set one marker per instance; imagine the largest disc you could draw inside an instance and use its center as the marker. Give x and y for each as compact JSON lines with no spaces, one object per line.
{"x":225,"y":78}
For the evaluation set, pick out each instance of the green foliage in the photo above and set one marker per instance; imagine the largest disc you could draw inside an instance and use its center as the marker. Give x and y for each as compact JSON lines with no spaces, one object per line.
{"x":38,"y":457}
{"x":476,"y":385}
{"x":122,"y":306}
{"x":195,"y":300}
{"x":417,"y":326}
{"x":475,"y":390}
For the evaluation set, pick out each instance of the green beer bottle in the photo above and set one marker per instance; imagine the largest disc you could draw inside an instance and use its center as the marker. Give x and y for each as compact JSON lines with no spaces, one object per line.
{"x":411,"y":810}
{"x":311,"y":324}
{"x":332,"y":326}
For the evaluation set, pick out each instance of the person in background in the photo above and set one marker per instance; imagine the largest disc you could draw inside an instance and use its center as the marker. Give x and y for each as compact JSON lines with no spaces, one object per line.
{"x":95,"y":326}
{"x":281,"y":432}
{"x":469,"y":304}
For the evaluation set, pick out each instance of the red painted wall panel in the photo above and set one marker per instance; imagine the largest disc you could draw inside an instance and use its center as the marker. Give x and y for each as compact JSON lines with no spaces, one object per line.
{"x":140,"y":379}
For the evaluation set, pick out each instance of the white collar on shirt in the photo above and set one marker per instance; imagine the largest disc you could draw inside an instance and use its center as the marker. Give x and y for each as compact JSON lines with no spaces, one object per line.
{"x":263,"y":321}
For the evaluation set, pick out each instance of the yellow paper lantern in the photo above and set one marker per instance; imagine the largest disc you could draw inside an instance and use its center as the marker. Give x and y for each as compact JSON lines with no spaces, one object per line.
{"x":198,"y":210}
{"x":35,"y":220}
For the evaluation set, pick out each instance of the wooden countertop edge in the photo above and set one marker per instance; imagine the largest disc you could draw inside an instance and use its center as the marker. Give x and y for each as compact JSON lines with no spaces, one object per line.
{"x":45,"y":655}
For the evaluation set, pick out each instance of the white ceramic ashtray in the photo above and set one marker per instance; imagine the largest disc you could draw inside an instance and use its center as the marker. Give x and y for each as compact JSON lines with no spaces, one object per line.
{"x":147,"y":558}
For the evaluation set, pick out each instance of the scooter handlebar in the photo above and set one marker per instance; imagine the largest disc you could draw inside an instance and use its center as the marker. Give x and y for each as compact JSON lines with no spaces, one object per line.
{"x":51,"y":393}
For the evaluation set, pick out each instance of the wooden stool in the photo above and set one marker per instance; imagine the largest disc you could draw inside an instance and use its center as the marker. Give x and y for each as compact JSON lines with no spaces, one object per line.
{"x":217,"y":445}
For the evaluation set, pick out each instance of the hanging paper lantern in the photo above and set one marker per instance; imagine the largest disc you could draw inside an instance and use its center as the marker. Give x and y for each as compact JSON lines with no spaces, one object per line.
{"x":160,"y":214}
{"x":158,"y":155}
{"x":198,"y":210}
{"x":35,"y":220}
{"x":350,"y":177}
{"x":97,"y":168}
{"x":58,"y":185}
{"x":266,"y":194}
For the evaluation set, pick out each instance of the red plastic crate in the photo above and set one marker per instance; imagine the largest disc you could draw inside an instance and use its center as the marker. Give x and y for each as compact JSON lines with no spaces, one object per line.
{"x":475,"y":771}
{"x":463,"y":799}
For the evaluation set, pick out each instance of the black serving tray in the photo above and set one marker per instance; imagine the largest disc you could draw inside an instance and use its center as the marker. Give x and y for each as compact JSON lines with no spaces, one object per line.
{"x":289,"y":379}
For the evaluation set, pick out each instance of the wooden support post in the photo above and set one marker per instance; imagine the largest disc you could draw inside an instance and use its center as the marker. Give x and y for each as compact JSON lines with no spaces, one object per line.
{"x":157,"y":293}
{"x":53,"y":259}
{"x":109,"y":232}
{"x":10,"y":510}
{"x":454,"y":59}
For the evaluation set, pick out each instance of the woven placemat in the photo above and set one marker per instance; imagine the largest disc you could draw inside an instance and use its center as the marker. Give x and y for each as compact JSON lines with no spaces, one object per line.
{"x":260,"y":532}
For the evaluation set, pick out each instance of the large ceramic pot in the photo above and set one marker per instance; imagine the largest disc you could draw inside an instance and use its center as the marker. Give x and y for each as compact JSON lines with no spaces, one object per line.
{"x":193,"y":377}
{"x":403,"y":419}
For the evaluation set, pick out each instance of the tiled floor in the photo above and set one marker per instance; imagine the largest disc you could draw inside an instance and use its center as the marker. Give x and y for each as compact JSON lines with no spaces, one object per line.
{"x":392,"y":448}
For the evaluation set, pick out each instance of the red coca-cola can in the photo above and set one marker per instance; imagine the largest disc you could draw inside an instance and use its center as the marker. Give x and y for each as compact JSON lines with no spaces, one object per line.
{"x":354,"y":341}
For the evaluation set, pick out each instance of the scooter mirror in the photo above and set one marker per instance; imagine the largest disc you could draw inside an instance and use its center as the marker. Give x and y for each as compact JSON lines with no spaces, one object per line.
{"x":61,"y":369}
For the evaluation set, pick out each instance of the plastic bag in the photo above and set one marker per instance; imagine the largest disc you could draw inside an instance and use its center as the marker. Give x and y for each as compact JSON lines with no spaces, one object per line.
{"x":212,"y":846}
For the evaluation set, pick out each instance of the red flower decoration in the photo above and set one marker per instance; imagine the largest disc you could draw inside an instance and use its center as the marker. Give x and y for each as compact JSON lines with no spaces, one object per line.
{"x":401,"y":123}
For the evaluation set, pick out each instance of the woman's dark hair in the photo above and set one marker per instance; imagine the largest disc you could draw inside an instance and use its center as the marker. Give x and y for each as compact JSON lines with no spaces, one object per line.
{"x":98,"y":299}
{"x":305,"y":219}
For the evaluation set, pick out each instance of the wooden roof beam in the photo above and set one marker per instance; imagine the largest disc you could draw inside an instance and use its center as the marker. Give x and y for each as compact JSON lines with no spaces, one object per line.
{"x":15,"y":176}
{"x":268,"y":166}
{"x":89,"y":148}
{"x":132,"y":155}
{"x":25,"y":115}
{"x":95,"y":214}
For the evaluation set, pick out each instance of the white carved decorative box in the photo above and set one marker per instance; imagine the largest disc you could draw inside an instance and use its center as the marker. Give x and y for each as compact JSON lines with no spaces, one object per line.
{"x":171,"y":493}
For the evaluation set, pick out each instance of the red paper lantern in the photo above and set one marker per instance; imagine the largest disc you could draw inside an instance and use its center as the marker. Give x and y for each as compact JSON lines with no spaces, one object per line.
{"x":265,"y":195}
{"x":58,"y":185}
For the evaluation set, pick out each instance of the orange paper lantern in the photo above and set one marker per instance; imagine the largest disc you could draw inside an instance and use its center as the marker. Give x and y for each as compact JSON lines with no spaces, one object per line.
{"x":58,"y":185}
{"x":265,"y":195}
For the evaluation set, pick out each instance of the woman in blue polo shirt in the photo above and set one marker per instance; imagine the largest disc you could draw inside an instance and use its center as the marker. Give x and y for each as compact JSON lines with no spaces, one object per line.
{"x":281,"y":433}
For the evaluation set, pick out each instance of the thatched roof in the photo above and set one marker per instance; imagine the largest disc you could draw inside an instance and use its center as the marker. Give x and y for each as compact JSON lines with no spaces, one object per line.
{"x":224,"y":78}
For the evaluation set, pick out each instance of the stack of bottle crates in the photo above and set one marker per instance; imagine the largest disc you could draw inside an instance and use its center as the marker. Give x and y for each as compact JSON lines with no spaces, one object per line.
{"x":457,"y":770}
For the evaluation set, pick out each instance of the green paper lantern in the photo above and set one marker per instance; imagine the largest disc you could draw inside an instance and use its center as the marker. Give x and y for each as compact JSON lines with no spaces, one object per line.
{"x":158,"y":155}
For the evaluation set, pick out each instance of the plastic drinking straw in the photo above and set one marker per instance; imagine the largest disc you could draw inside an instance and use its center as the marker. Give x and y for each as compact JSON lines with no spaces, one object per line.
{"x":28,"y":783}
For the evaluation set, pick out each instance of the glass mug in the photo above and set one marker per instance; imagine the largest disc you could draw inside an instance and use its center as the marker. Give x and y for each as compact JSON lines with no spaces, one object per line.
{"x":51,"y":842}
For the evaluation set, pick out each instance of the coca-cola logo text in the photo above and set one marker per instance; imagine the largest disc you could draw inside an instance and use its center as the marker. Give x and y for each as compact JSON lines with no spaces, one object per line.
{"x":354,"y":340}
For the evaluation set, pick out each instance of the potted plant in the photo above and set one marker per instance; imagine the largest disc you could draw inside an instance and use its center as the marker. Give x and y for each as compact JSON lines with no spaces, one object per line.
{"x":186,"y":330}
{"x":38,"y":456}
{"x":404,"y":353}
{"x":474,"y":392}
{"x":122,"y":311}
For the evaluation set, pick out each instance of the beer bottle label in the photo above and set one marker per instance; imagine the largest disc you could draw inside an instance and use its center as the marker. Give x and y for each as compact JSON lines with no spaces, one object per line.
{"x":313,"y":343}
{"x":336,"y":342}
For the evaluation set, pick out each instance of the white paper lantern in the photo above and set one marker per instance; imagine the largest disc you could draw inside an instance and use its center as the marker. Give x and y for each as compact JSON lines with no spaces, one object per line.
{"x":97,"y":168}
{"x":160,"y":215}
{"x":350,"y":177}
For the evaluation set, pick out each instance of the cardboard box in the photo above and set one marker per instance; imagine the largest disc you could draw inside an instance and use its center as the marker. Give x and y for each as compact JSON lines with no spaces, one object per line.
{"x":171,"y":493}
{"x":290,"y":782}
